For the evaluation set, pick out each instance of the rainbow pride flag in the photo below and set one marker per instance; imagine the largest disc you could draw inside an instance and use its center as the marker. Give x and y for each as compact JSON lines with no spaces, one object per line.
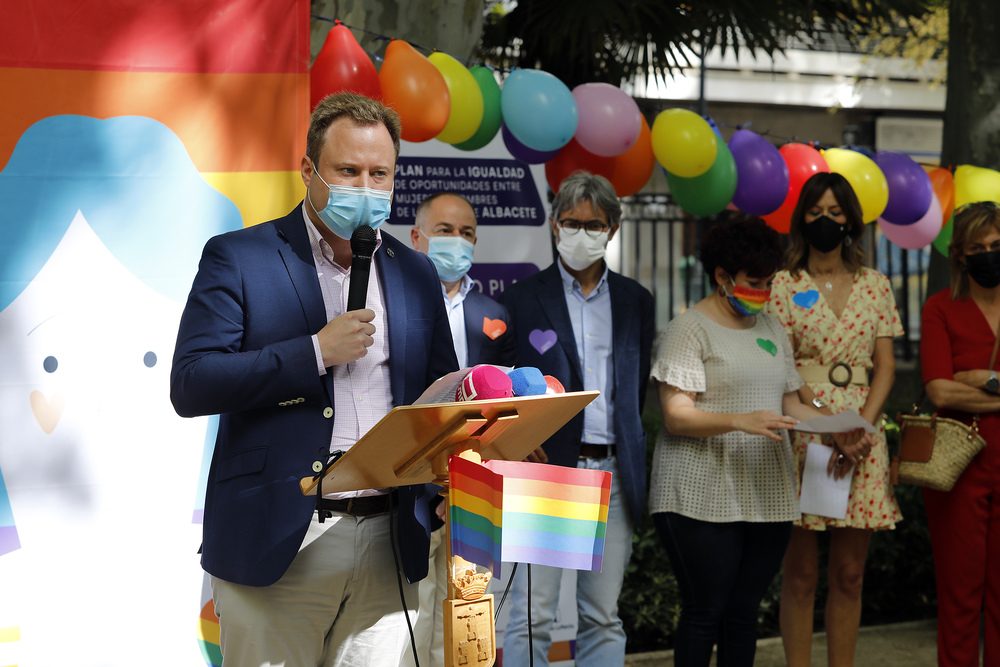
{"x":549,"y":515}
{"x":553,"y":515}
{"x":475,"y":512}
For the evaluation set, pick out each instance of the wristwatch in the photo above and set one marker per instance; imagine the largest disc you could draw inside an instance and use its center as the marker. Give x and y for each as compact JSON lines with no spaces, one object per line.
{"x":993,"y":384}
{"x":818,"y":403}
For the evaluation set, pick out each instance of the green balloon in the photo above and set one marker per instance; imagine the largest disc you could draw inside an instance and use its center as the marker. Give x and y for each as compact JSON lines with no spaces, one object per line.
{"x":710,"y":192}
{"x":943,"y":239}
{"x":492,"y":118}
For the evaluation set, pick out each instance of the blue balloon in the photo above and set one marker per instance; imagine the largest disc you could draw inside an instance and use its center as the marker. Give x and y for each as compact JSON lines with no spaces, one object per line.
{"x":521,"y":152}
{"x":538,"y":109}
{"x":860,"y":149}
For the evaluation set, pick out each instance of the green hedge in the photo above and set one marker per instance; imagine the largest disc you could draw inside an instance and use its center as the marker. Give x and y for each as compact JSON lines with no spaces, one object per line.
{"x":899,"y":576}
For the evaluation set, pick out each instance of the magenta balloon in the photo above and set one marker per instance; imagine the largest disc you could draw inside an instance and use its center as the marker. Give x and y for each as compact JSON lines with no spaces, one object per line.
{"x":910,"y":189}
{"x":521,"y":152}
{"x":918,"y":234}
{"x":609,"y":120}
{"x":761,"y":173}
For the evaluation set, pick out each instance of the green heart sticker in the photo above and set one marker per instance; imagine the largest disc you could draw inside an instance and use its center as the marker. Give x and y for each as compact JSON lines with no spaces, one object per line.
{"x":768,"y":346}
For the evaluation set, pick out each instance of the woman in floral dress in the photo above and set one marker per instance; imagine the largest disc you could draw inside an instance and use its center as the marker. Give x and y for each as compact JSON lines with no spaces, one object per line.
{"x":840,"y":317}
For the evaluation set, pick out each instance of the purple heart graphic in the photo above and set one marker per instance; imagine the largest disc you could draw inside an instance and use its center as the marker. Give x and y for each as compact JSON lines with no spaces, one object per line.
{"x":542,"y":340}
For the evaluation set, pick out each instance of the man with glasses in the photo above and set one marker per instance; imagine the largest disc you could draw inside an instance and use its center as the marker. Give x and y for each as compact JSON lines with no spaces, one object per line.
{"x":590,"y":328}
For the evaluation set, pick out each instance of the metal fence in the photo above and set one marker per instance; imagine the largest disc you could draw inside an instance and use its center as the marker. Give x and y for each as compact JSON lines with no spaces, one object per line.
{"x":659,"y":248}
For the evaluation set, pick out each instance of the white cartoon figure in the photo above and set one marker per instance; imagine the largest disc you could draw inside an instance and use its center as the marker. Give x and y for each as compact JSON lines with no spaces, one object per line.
{"x":100,"y":232}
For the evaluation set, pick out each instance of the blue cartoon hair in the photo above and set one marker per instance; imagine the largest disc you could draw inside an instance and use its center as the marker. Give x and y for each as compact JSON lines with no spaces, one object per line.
{"x":133,"y":182}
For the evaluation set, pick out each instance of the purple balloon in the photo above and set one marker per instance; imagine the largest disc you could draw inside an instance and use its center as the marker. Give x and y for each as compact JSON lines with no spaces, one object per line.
{"x":920,"y":233}
{"x":521,"y":152}
{"x":910,"y":189}
{"x":761,"y":173}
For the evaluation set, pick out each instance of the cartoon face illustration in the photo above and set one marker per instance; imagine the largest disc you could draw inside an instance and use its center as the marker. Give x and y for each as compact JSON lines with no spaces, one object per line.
{"x":100,"y":476}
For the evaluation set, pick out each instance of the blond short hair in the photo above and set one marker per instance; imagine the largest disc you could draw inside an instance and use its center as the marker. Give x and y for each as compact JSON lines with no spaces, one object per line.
{"x":360,"y":109}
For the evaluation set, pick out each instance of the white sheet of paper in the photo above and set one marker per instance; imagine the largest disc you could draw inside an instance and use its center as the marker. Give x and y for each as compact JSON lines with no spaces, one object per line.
{"x":823,"y":495}
{"x":842,"y":422}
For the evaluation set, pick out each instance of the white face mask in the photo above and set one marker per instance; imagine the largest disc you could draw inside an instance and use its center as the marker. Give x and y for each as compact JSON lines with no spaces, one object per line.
{"x":580,"y":250}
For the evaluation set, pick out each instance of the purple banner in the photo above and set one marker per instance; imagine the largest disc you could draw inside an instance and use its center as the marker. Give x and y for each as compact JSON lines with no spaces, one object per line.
{"x":8,"y":539}
{"x":502,"y":192}
{"x":493,"y":279}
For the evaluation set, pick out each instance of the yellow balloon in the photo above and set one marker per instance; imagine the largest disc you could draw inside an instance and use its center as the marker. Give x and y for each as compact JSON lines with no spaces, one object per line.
{"x":466,"y":99}
{"x":864,"y":176}
{"x":974,"y":184}
{"x":683,"y":142}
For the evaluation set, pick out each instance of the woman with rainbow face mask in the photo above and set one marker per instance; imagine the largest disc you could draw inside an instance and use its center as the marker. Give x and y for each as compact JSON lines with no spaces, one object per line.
{"x":722,"y":492}
{"x":840,"y":317}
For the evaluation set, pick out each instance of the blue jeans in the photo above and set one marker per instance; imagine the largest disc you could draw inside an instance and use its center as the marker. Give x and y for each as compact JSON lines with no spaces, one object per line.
{"x":600,"y":639}
{"x":723,"y":571}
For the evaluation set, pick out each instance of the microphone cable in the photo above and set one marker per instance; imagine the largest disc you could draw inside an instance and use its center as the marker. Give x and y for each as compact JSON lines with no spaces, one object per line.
{"x":399,"y":580}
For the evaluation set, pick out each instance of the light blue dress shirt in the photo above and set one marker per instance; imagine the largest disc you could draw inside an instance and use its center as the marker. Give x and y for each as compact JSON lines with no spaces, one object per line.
{"x":591,"y":319}
{"x":456,"y":318}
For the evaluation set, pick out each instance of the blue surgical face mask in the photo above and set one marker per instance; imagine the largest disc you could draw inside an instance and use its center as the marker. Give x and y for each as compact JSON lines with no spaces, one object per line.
{"x":348,"y":207}
{"x":452,"y":255}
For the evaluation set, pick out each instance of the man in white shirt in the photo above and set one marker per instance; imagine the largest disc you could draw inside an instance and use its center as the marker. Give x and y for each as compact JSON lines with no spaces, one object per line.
{"x":445,"y":230}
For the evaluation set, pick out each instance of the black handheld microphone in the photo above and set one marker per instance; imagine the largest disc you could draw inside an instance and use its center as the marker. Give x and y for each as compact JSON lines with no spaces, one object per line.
{"x":362,"y":249}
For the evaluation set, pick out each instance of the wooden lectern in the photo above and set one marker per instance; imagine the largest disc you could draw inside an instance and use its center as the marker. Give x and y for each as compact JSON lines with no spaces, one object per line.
{"x":412,"y":444}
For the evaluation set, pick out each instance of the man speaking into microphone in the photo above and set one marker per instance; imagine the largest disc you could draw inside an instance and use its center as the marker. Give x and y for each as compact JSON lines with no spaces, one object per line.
{"x":267,"y":341}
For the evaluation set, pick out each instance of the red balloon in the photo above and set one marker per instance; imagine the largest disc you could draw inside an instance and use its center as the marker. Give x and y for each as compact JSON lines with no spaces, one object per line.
{"x":414,"y":87}
{"x":943,"y":184}
{"x":803,"y":161}
{"x":342,"y":65}
{"x":632,"y":169}
{"x":573,"y":157}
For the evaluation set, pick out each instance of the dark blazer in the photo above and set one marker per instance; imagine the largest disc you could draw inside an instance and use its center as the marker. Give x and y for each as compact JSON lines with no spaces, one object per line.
{"x":244,"y":351}
{"x":483,"y":349}
{"x":539,"y":303}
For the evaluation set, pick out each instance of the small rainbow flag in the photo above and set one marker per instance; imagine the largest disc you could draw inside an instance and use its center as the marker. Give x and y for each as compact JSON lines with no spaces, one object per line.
{"x":553,"y":515}
{"x":550,"y":515}
{"x":475,"y":512}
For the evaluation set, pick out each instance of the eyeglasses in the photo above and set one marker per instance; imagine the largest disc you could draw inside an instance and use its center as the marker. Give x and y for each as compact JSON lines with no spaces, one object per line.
{"x":571,"y":227}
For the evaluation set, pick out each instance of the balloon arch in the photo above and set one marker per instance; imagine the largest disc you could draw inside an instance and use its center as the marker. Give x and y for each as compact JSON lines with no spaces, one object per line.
{"x":599,"y":128}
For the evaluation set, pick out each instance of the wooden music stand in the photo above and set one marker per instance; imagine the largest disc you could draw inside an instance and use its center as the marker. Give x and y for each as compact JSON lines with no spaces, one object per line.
{"x":412,"y":444}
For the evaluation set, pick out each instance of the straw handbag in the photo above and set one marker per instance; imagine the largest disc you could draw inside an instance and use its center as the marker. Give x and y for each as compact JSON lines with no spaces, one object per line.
{"x":933,"y":451}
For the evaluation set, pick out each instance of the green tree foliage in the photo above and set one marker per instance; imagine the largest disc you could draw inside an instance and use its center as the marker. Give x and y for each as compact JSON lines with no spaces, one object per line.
{"x":614,"y":40}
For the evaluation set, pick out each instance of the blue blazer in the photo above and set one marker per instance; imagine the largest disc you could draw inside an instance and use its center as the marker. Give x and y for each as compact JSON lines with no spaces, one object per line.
{"x":483,"y":349}
{"x":539,"y":302}
{"x":244,"y":351}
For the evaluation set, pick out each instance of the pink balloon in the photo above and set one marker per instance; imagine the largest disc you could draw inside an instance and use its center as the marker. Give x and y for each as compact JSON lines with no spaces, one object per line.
{"x":609,"y":120}
{"x":920,"y":233}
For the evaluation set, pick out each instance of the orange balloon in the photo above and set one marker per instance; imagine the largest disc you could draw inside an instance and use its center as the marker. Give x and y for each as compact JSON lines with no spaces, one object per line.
{"x":944,"y":187}
{"x":632,"y":169}
{"x":341,"y":66}
{"x":414,"y":87}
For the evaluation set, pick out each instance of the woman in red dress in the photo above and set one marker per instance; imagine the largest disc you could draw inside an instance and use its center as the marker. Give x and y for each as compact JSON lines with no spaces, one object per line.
{"x":958,"y":329}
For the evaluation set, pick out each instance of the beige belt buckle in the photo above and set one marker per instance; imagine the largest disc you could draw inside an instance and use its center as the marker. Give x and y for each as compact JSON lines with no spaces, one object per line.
{"x":833,"y":374}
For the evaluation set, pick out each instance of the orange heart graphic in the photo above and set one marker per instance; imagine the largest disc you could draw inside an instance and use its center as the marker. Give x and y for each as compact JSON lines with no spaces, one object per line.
{"x":47,"y":413}
{"x":493,"y":328}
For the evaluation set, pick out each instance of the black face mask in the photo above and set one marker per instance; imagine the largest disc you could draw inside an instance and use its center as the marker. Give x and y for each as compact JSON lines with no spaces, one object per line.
{"x":984,"y":268}
{"x":824,"y":234}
